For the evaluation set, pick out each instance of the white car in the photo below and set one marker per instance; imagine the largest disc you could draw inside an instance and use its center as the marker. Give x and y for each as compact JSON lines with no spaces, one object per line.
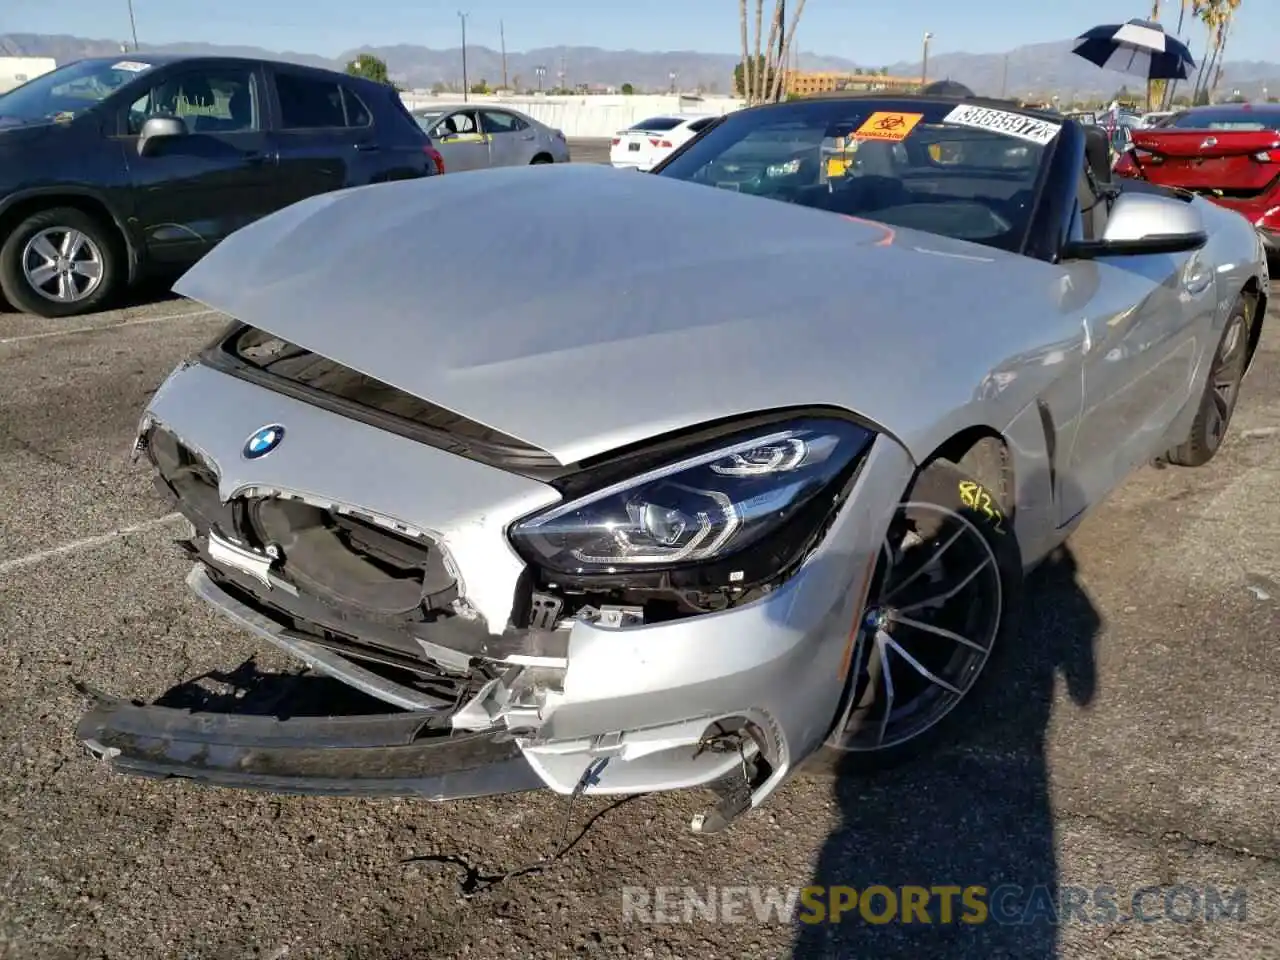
{"x":646,"y":144}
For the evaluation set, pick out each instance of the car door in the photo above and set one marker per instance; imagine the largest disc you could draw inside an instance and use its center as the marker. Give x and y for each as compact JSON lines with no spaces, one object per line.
{"x":324,"y":135}
{"x":460,"y":141}
{"x":512,"y":142}
{"x":189,"y":192}
{"x":1141,"y":348}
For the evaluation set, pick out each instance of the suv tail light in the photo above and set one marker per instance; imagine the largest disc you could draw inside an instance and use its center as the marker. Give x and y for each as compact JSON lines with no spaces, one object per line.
{"x":435,"y":157}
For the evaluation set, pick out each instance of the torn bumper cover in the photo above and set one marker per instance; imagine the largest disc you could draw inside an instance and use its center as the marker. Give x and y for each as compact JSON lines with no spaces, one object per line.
{"x":403,"y":755}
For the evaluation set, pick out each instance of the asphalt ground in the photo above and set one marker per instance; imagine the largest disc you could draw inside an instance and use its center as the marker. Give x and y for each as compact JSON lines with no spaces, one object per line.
{"x":1130,"y":741}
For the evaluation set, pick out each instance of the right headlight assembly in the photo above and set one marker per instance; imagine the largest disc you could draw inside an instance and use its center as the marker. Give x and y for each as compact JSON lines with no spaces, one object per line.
{"x":702,"y":508}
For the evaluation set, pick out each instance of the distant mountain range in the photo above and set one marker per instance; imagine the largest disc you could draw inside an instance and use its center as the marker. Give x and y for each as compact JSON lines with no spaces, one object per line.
{"x":1042,"y":69}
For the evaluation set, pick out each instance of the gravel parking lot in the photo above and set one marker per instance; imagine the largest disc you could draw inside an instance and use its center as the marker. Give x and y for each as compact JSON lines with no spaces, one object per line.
{"x":1133,"y":741}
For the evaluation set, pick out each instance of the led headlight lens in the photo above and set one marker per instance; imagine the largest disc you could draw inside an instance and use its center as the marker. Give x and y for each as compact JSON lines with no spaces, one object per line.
{"x":698,"y":509}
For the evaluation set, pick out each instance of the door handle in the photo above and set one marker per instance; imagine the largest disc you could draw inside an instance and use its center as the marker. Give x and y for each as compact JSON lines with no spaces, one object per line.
{"x":367,"y":147}
{"x":528,"y":137}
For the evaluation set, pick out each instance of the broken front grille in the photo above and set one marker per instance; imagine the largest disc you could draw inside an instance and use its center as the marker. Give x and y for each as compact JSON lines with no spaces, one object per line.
{"x":375,"y":583}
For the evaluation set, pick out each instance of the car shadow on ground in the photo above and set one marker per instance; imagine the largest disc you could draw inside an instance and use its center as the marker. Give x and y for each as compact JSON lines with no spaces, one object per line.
{"x":975,"y":814}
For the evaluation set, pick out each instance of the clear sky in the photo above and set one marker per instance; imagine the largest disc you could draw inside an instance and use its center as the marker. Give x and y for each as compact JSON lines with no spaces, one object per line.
{"x":873,"y":33}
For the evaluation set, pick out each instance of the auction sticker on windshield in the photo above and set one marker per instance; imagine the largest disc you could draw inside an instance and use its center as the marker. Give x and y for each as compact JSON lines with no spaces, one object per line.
{"x":132,"y":66}
{"x":888,"y":125}
{"x":1000,"y":121}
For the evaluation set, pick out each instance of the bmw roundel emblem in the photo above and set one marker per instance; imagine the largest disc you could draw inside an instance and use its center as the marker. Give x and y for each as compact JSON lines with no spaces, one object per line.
{"x":263,"y":441}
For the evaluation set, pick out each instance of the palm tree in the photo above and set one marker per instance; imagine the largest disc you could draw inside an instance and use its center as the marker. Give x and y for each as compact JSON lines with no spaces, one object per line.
{"x":758,"y":59}
{"x":764,"y":74}
{"x":788,"y":35}
{"x":773,"y":49}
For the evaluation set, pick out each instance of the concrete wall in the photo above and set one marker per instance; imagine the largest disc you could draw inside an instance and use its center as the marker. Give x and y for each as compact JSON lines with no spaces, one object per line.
{"x":587,"y":116}
{"x":15,"y":71}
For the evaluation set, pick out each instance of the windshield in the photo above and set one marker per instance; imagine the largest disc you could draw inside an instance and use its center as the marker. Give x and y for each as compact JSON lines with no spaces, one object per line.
{"x":968,"y":172}
{"x":68,"y":91}
{"x":1225,"y":120}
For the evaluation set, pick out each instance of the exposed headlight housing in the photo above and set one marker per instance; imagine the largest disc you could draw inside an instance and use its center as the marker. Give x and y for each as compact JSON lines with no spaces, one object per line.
{"x":706,"y":507}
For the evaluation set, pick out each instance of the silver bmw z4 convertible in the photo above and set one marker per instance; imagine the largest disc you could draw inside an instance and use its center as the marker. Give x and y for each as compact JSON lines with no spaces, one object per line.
{"x":610,"y":484}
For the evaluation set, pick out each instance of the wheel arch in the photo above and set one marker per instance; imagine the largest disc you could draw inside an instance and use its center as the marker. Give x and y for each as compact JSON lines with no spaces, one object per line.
{"x":542,"y":156}
{"x":19,"y":207}
{"x":984,"y":453}
{"x":1256,"y":298}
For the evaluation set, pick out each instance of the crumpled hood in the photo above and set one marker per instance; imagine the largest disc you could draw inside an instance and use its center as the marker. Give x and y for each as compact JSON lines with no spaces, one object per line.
{"x":580,"y":308}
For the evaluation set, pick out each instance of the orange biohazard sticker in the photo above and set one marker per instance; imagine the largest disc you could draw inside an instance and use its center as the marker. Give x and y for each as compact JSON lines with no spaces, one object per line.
{"x":888,"y":125}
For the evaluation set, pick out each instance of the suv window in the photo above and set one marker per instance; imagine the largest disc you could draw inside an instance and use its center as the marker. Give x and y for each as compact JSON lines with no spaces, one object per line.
{"x":307,"y":103}
{"x":496,"y":121}
{"x":358,"y":114}
{"x":209,"y":100}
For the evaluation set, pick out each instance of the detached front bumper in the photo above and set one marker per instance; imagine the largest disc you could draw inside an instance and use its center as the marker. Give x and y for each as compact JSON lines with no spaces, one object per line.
{"x":383,"y":755}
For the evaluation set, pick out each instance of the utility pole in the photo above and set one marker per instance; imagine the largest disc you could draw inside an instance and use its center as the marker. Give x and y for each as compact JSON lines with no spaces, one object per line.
{"x":563,"y":73}
{"x":466,"y":89}
{"x":540,"y":72}
{"x":924,"y":62}
{"x":502,"y":36}
{"x":133,"y":26}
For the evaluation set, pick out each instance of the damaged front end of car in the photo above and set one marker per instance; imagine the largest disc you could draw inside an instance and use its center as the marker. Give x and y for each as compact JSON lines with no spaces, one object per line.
{"x":677,"y":616}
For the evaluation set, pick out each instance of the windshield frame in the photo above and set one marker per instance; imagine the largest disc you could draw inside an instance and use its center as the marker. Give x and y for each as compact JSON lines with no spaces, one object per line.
{"x":41,"y":88}
{"x":1044,"y":213}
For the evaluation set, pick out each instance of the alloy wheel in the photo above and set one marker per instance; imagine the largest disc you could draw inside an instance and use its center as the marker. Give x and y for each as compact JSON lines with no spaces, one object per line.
{"x":62,"y":264}
{"x":929,"y":628}
{"x":1225,"y":379}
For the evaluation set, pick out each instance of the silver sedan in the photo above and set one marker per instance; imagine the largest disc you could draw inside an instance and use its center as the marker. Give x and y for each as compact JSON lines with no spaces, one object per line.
{"x":472,"y":137}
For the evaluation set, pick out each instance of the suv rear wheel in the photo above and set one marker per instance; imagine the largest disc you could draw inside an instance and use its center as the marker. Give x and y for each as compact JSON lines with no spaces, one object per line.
{"x":60,"y":262}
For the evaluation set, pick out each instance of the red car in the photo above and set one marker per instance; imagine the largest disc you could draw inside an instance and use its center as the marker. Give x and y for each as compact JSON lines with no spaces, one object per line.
{"x":1230,"y":153}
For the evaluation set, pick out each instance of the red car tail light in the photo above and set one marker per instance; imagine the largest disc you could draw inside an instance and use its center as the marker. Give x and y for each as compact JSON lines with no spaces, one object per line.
{"x":616,"y":141}
{"x":1125,"y":166}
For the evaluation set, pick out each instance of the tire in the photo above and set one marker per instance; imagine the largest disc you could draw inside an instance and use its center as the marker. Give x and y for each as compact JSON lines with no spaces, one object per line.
{"x":1221,"y":393}
{"x":541,"y":158}
{"x":945,"y":501}
{"x":97,"y":251}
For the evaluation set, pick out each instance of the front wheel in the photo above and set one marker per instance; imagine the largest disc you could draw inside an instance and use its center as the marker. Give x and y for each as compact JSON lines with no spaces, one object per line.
{"x":945,"y":599}
{"x":59,"y":263}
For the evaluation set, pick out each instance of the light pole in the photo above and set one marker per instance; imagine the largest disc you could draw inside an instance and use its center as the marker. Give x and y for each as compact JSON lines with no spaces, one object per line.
{"x":540,"y":72}
{"x":466,"y":89}
{"x":924,"y":61}
{"x":672,"y":77}
{"x":133,"y":27}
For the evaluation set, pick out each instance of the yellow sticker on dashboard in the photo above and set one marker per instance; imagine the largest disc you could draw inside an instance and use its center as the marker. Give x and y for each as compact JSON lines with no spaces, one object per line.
{"x":888,"y":125}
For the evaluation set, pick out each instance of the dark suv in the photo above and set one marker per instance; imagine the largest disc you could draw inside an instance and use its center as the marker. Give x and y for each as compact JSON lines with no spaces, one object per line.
{"x":112,"y":168}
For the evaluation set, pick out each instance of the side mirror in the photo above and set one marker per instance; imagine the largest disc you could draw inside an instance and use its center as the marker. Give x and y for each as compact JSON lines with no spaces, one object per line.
{"x":1144,"y":224}
{"x":157,"y":129}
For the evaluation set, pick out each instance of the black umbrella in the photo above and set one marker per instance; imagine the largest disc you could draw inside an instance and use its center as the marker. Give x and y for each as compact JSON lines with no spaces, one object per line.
{"x":1140,"y":48}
